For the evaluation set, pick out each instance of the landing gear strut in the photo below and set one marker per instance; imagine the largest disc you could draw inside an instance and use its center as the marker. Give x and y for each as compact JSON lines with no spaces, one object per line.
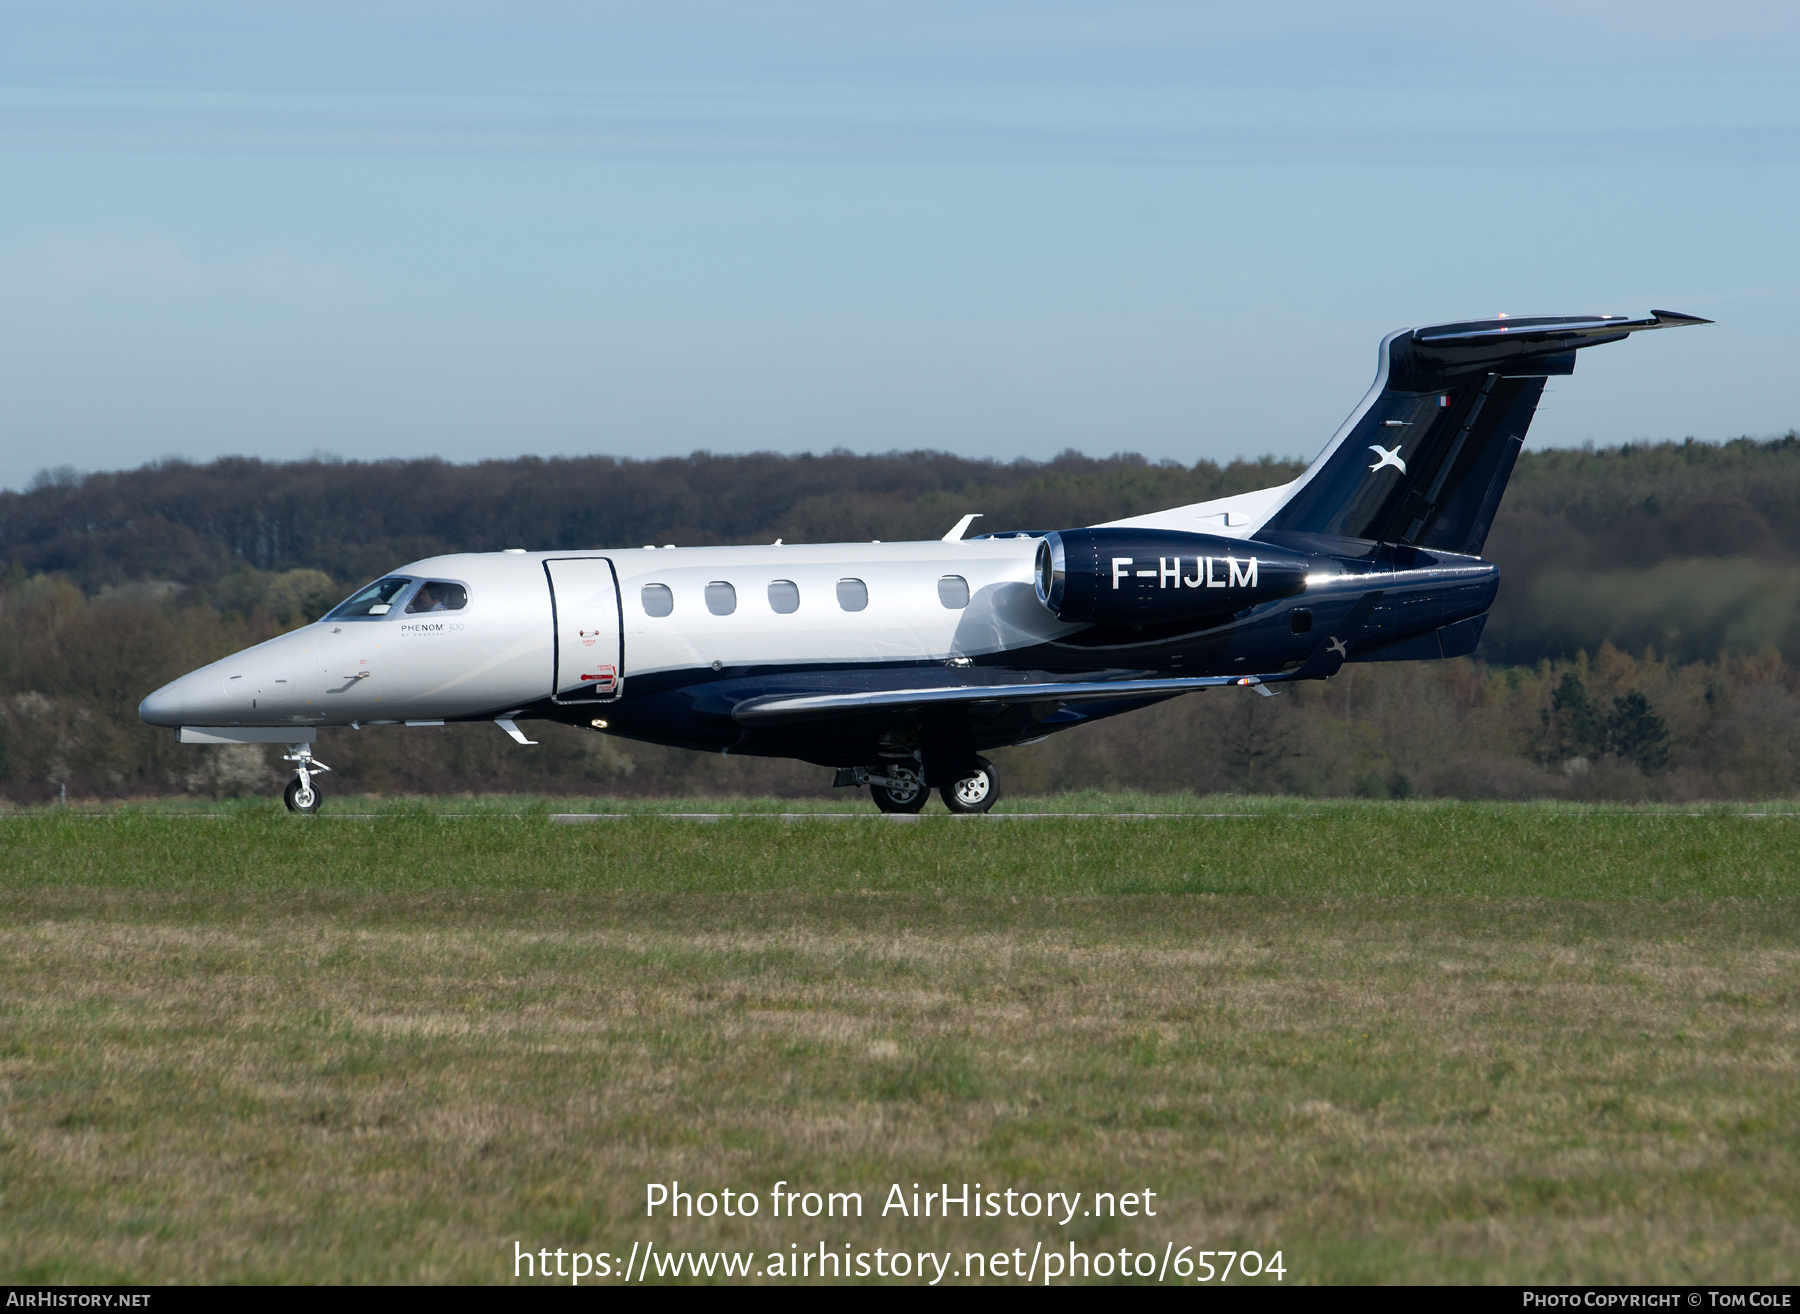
{"x":301,"y":794}
{"x":895,"y":786}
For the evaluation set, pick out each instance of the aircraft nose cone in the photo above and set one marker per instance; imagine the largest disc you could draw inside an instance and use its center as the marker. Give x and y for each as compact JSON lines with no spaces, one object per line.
{"x":164,"y":707}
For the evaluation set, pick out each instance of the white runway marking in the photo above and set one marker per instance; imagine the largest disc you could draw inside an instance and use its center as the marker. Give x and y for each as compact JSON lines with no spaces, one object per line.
{"x":579,"y":818}
{"x":582,"y":818}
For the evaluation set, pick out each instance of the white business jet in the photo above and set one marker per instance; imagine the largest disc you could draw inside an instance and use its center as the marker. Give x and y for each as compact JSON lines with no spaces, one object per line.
{"x":900,"y":664}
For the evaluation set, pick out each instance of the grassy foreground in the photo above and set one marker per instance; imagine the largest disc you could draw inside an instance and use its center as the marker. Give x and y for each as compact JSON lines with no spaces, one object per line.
{"x":1394,"y":1042}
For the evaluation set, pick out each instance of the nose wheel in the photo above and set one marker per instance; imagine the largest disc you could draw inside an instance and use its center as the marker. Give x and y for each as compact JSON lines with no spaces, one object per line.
{"x":302,"y":795}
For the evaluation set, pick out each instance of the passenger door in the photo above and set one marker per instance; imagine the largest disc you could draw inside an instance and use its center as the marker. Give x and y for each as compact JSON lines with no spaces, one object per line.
{"x":590,"y":642}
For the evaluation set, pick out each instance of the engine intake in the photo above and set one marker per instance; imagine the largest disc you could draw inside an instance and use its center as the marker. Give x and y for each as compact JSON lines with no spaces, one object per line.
{"x":1153,"y":576}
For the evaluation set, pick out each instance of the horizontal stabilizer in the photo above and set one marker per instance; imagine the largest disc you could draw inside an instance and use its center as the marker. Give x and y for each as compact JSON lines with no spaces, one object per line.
{"x":1441,"y":352}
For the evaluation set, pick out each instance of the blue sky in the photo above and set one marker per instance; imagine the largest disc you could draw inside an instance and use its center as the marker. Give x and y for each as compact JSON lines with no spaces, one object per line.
{"x":1001,"y":229}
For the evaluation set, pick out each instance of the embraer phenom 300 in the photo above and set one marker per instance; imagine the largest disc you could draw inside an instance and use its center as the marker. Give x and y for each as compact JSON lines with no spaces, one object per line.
{"x":899,"y":664}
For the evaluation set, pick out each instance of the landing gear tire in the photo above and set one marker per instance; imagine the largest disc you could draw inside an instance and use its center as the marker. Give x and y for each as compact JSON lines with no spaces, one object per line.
{"x":301,"y":797}
{"x":302,"y":794}
{"x":973,"y":793}
{"x":906,"y":793}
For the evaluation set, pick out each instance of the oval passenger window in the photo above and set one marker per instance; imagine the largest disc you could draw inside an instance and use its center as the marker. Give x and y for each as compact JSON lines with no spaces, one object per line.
{"x":784,"y":596}
{"x":853,"y":594}
{"x":721,"y":598}
{"x":953,"y":591}
{"x":658,"y":601}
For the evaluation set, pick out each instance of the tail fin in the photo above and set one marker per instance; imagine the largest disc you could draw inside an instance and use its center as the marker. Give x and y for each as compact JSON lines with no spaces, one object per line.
{"x":1426,"y":456}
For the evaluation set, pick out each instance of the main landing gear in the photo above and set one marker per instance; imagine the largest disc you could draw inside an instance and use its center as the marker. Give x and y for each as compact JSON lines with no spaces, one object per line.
{"x":901,"y":787}
{"x":301,"y":794}
{"x":973,"y":793}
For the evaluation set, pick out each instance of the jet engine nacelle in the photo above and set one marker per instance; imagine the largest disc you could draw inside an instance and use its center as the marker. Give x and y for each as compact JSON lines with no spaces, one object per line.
{"x":1151,"y":576}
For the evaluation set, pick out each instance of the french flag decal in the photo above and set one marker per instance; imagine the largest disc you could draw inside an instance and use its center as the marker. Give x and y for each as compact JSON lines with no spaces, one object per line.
{"x":1443,"y":400}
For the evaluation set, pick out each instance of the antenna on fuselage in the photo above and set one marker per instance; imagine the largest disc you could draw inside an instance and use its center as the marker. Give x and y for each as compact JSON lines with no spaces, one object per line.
{"x":961,"y":527}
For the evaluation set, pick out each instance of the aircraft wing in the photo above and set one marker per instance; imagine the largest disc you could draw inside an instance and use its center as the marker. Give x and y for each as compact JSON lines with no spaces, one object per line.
{"x":786,"y":709}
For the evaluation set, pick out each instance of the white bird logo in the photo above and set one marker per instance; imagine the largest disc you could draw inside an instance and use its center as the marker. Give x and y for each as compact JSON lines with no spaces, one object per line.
{"x":1339,"y":647}
{"x":1388,"y":458}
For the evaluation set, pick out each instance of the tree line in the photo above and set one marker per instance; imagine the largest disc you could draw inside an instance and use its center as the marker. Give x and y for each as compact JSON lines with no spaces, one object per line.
{"x":1646,"y":642}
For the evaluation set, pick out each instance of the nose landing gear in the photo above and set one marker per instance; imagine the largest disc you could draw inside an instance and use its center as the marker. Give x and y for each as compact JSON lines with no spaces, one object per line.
{"x":301,"y":794}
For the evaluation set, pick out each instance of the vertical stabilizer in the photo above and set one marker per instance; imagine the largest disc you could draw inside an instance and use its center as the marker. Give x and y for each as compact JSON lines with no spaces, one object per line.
{"x":1426,"y":456}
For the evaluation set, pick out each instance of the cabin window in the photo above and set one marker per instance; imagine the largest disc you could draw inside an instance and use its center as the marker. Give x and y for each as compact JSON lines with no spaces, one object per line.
{"x":1300,"y":621}
{"x":376,"y":600}
{"x":721,"y":598}
{"x":853,"y":594}
{"x":784,"y":596}
{"x":439,"y":595}
{"x":658,"y":600}
{"x":953,"y":591}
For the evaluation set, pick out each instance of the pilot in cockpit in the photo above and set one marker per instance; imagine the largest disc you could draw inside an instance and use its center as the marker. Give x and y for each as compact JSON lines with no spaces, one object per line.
{"x":427,"y":599}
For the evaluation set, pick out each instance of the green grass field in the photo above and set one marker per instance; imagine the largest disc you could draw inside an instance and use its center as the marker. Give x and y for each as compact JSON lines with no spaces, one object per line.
{"x":1394,"y":1042}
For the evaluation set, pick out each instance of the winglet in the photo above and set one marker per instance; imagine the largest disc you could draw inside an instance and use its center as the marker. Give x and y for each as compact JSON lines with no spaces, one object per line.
{"x":961,"y":527}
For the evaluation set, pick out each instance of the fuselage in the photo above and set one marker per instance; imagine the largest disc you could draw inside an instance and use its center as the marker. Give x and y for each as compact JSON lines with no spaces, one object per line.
{"x":681,"y":636}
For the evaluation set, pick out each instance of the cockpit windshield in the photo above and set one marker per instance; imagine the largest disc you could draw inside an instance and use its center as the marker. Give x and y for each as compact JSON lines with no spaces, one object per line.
{"x":376,"y":600}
